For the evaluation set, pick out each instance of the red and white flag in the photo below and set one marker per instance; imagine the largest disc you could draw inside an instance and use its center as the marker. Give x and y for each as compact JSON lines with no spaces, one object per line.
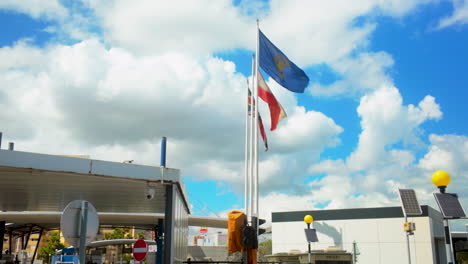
{"x":277,"y":112}
{"x":251,"y":102}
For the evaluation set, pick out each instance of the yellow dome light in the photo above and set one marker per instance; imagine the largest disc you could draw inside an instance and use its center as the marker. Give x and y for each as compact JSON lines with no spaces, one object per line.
{"x":441,"y":179}
{"x":308,"y":219}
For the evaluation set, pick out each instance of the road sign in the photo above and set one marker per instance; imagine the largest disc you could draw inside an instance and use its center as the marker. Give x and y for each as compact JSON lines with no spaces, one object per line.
{"x":70,"y":223}
{"x":140,"y":248}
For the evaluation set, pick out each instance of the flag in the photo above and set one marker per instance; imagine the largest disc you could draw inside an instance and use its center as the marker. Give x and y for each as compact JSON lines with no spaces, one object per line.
{"x":277,"y":112}
{"x":280,"y":68}
{"x":260,"y":122}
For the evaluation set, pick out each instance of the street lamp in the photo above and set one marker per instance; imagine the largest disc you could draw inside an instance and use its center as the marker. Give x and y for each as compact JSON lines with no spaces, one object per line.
{"x":308,"y":219}
{"x":441,"y":179}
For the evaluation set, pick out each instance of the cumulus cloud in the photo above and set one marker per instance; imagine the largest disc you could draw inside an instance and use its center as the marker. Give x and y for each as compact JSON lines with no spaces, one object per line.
{"x":154,"y":27}
{"x":110,"y":100}
{"x":36,"y":8}
{"x":386,"y":121}
{"x":364,"y":73}
{"x":459,"y":16}
{"x":343,"y":187}
{"x":447,"y":152}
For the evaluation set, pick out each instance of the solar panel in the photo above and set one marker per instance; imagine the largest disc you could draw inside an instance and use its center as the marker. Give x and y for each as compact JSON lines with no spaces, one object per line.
{"x":311,"y":235}
{"x":449,"y":205}
{"x":409,"y":202}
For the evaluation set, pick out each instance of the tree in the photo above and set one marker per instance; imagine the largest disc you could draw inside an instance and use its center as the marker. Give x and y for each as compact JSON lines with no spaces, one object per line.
{"x":118,"y":233}
{"x":53,"y":244}
{"x":140,"y":235}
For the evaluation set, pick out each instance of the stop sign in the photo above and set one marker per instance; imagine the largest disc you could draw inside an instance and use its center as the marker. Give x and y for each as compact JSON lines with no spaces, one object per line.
{"x":139,"y":250}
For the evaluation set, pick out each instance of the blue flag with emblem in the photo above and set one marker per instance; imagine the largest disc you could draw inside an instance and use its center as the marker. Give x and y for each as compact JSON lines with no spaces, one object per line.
{"x":280,"y":68}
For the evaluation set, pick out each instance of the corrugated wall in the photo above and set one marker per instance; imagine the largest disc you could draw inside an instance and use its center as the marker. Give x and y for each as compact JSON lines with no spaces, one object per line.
{"x":180,"y":235}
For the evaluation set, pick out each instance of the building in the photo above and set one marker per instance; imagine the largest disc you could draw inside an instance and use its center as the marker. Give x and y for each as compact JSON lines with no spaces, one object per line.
{"x":35,"y":189}
{"x":374,"y":235}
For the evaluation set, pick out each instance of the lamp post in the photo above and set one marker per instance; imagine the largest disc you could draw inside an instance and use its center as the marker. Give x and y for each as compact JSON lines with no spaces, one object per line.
{"x":308,"y":219}
{"x":441,"y":179}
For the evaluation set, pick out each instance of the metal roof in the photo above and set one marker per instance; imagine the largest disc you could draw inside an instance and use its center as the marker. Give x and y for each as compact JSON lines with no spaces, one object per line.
{"x":39,"y":182}
{"x":35,"y":188}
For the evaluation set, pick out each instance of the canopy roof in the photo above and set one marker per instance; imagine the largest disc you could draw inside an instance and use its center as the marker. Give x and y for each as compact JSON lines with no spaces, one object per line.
{"x":35,"y":188}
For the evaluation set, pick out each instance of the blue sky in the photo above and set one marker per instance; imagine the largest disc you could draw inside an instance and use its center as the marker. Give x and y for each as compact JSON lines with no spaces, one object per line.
{"x":384,"y":108}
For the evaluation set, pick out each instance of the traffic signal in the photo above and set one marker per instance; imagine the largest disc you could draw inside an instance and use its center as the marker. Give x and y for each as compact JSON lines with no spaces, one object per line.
{"x":236,"y":223}
{"x":261,"y":230}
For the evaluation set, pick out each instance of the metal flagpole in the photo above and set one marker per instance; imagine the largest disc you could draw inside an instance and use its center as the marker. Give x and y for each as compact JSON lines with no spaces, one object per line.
{"x":251,"y":157}
{"x":246,"y":176}
{"x":255,"y":182}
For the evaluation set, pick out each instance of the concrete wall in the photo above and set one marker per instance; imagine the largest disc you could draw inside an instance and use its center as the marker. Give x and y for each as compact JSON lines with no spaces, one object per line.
{"x":380,"y":241}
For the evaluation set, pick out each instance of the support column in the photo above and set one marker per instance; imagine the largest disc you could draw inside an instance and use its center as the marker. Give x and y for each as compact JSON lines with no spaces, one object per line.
{"x":10,"y":241}
{"x":83,"y":225}
{"x":159,"y":241}
{"x":448,"y":242}
{"x":25,"y":243}
{"x":22,"y":241}
{"x":37,"y":245}
{"x":168,"y":225}
{"x":2,"y":235}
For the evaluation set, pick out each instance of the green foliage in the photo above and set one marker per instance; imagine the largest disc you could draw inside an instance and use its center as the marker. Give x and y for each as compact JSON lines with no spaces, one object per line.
{"x":118,"y":233}
{"x":53,"y":244}
{"x":264,"y":248}
{"x":140,"y":235}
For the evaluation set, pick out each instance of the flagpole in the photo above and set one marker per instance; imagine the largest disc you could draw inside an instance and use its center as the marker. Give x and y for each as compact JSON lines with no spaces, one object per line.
{"x":251,"y":160}
{"x":246,"y":176}
{"x":255,"y":183}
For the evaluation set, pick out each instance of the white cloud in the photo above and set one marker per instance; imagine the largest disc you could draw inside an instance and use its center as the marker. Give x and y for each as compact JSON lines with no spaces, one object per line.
{"x":399,"y":8}
{"x":21,"y":56}
{"x":459,"y":16}
{"x":450,"y":153}
{"x":154,"y":27}
{"x":306,"y":129}
{"x":360,"y":74}
{"x":113,"y":104}
{"x":386,"y":121}
{"x":342,"y":187}
{"x":326,"y":31}
{"x":50,"y":9}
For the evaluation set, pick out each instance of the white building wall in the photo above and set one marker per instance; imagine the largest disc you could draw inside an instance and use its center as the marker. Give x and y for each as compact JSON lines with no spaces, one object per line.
{"x":380,"y":241}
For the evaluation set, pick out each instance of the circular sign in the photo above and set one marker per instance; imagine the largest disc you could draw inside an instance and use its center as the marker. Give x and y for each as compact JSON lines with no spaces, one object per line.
{"x":139,"y":250}
{"x":203,"y":230}
{"x":70,"y":223}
